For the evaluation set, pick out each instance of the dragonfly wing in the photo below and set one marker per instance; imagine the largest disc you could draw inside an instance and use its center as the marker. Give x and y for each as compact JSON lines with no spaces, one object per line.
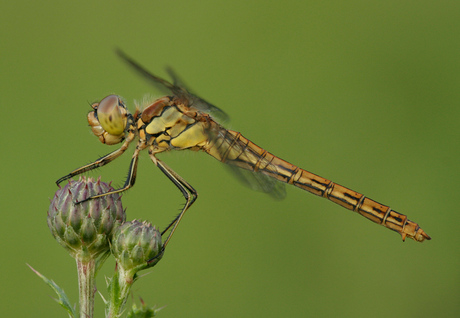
{"x":259,"y":182}
{"x":196,"y":101}
{"x":178,"y":88}
{"x":243,"y":158}
{"x":158,"y":82}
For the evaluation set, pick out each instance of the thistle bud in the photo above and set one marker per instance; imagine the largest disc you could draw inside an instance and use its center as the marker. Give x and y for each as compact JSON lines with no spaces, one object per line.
{"x":143,"y":311}
{"x":85,"y":228}
{"x":136,"y":245}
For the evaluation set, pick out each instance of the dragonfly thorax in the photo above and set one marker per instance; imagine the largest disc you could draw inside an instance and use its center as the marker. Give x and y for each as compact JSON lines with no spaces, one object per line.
{"x":109,"y":120}
{"x":169,"y":124}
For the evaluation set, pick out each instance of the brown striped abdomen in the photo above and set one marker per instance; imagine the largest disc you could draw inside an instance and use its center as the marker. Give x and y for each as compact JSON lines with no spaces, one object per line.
{"x":232,"y":148}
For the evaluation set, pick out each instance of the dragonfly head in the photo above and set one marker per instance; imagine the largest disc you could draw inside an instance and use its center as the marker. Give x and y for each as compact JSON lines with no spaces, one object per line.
{"x":109,"y":119}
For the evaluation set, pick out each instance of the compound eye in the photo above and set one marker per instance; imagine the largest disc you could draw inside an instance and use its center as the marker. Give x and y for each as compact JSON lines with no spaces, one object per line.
{"x":109,"y":114}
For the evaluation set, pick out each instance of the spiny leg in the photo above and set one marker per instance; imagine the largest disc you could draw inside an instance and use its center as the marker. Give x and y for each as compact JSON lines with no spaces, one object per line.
{"x":98,"y":163}
{"x":130,"y":179}
{"x":187,"y":190}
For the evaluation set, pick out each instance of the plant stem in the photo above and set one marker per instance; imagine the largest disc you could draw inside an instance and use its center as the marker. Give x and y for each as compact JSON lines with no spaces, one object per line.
{"x":119,"y":290}
{"x":87,"y":286}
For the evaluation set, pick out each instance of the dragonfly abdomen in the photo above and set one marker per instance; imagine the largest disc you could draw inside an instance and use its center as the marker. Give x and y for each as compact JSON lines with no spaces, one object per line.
{"x":351,"y":200}
{"x":232,"y":148}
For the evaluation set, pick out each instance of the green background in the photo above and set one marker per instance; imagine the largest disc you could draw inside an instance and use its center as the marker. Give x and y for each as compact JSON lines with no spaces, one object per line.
{"x":365,"y":93}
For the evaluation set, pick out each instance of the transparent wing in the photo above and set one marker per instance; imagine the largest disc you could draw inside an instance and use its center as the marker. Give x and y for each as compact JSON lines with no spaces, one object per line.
{"x":198,"y":102}
{"x":247,"y":161}
{"x":259,"y":182}
{"x":178,"y":88}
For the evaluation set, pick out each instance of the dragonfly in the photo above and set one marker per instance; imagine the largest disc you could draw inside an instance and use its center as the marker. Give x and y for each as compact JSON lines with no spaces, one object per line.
{"x":183,"y":121}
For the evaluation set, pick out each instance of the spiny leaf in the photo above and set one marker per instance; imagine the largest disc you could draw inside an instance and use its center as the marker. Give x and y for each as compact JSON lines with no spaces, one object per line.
{"x":63,"y":300}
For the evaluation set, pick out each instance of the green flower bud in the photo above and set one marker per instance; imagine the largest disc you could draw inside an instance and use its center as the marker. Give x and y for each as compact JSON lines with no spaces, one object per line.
{"x":143,"y":311}
{"x":136,"y":245}
{"x":85,"y":229}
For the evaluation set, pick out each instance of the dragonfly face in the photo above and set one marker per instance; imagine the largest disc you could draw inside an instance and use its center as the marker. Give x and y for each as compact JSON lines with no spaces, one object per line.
{"x":109,"y":120}
{"x":183,"y":121}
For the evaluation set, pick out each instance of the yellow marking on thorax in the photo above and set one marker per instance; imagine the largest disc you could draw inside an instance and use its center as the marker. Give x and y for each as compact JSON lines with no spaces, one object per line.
{"x":161,"y":123}
{"x":194,"y":136}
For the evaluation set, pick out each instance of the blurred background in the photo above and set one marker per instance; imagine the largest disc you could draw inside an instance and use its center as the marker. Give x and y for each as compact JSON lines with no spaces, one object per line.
{"x":363,"y":93}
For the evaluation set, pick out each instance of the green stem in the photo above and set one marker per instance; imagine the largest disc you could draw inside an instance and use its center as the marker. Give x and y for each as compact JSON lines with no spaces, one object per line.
{"x":119,"y":289}
{"x":87,"y":286}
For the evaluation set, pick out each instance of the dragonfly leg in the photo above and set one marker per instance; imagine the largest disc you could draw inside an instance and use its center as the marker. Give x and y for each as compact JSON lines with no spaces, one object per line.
{"x":130,"y":179}
{"x":187,"y":190}
{"x":98,"y":163}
